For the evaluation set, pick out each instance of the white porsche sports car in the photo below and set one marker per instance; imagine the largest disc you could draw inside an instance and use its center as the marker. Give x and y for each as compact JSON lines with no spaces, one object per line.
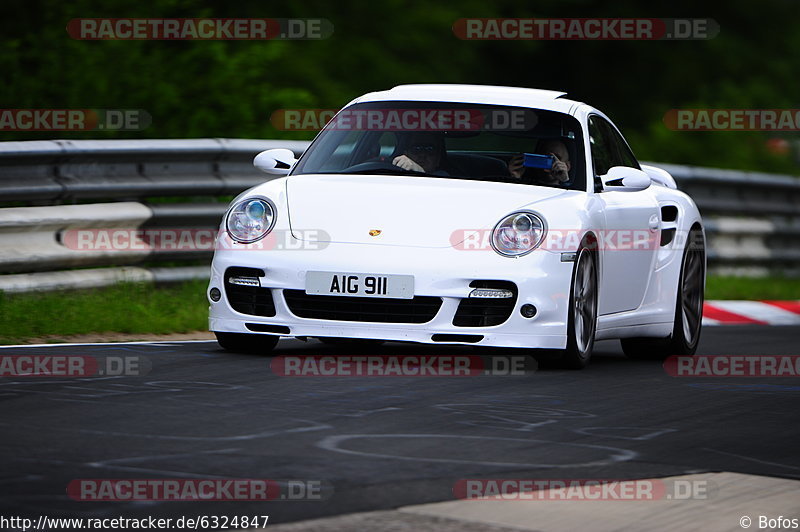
{"x":458,"y":214}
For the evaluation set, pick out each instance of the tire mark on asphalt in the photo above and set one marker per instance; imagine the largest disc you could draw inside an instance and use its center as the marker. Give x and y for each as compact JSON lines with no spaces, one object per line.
{"x":333,"y":443}
{"x":313,"y":426}
{"x":654,"y":432}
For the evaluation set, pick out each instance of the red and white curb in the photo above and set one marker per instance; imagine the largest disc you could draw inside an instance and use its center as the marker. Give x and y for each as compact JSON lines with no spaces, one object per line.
{"x":751,"y":312}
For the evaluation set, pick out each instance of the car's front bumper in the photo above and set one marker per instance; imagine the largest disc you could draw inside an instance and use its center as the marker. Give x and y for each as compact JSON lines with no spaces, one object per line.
{"x":542,"y":280}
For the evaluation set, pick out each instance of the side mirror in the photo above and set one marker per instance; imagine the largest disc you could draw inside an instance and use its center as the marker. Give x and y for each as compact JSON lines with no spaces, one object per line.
{"x":276,"y":162}
{"x":625,"y":179}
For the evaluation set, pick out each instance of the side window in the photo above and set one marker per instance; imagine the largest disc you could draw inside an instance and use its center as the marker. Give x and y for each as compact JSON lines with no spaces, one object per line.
{"x":346,"y":145}
{"x":388,"y":143}
{"x":602,"y":151}
{"x":340,"y":157}
{"x":623,"y":154}
{"x":369,"y":147}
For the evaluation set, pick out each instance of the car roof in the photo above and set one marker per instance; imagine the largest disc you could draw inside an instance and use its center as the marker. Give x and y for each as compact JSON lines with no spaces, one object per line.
{"x":477,"y":94}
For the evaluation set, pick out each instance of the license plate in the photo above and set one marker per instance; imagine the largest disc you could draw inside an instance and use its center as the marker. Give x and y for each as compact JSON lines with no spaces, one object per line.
{"x":360,"y":285}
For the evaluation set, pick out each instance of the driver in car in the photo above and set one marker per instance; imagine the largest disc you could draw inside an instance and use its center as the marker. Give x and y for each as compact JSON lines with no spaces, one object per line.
{"x":558,"y":175}
{"x":424,"y":152}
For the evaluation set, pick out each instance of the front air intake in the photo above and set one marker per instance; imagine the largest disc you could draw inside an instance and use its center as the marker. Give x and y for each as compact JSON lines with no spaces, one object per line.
{"x":245,"y":293}
{"x":489,"y":303}
{"x":457,"y":338}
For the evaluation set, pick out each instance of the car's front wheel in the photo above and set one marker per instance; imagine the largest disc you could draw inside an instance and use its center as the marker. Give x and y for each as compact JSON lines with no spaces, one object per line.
{"x":582,"y":320}
{"x":257,"y":344}
{"x":688,"y":309}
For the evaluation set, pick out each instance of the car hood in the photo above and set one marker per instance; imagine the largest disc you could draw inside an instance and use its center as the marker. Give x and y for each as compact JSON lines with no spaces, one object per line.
{"x":406,"y":210}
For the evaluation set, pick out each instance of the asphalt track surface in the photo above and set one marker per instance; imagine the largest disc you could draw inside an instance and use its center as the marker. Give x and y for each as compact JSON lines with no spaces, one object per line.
{"x":382,"y":442}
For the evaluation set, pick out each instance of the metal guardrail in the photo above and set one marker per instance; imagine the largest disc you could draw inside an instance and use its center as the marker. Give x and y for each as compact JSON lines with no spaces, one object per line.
{"x":57,"y":171}
{"x":752,"y":219}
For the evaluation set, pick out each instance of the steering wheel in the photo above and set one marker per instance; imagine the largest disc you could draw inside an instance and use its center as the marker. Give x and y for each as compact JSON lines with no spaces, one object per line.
{"x":373,"y":165}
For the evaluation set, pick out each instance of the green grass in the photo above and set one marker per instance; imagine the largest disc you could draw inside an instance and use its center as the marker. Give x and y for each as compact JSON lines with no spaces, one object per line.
{"x":752,"y":288}
{"x":147,"y":309}
{"x":124,"y":308}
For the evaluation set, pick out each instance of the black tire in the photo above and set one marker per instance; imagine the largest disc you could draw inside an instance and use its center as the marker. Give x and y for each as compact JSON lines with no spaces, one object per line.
{"x":256,"y":344}
{"x":688,"y":320}
{"x":582,"y":318}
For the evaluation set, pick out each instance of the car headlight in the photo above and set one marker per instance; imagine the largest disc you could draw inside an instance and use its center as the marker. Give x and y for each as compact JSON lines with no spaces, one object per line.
{"x":518,"y":234}
{"x":250,"y":220}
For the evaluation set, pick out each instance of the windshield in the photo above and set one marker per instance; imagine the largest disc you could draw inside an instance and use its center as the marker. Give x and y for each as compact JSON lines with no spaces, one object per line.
{"x":450,"y":140}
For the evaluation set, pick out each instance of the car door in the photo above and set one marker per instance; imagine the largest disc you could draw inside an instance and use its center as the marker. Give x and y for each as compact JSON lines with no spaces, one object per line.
{"x":628,"y":241}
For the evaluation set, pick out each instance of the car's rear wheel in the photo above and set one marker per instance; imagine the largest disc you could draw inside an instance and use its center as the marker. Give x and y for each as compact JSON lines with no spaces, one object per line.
{"x":582,"y":320}
{"x":688,"y":309}
{"x":257,"y":344}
